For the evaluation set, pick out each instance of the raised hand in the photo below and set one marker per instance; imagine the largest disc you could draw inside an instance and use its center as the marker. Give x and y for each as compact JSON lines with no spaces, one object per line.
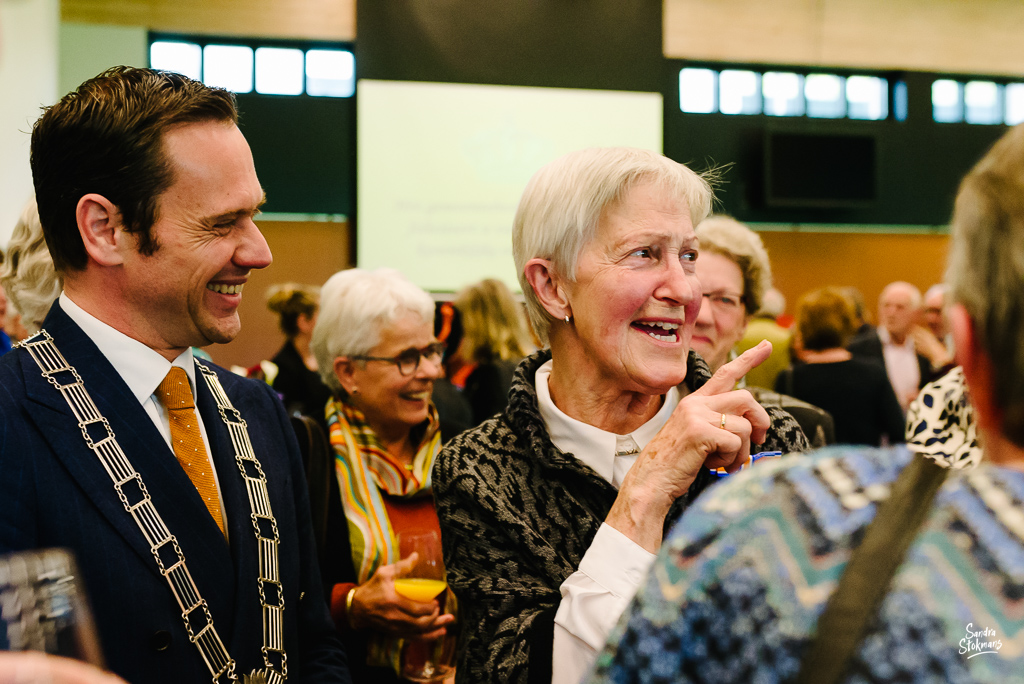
{"x":712,"y":427}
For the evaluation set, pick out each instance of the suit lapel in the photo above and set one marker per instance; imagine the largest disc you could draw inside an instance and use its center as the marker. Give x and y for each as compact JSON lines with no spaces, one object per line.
{"x":173,"y":494}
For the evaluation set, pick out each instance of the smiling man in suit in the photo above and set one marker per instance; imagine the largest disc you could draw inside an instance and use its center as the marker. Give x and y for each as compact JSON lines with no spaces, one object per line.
{"x":177,"y":485}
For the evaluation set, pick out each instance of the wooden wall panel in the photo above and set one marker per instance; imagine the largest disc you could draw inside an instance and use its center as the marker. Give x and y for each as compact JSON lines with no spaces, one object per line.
{"x":310,"y":19}
{"x":959,"y":36}
{"x":780,"y":31}
{"x":805,"y":261}
{"x":304,"y":252}
{"x":925,"y":35}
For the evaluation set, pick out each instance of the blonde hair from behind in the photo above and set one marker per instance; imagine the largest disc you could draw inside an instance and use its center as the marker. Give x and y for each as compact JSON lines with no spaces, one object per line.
{"x":493,"y":324}
{"x":28,"y":276}
{"x":825,"y":319}
{"x":291,"y":300}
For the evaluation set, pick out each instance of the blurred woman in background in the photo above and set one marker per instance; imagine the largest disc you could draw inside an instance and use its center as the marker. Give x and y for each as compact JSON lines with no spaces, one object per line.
{"x":735,"y":274}
{"x":297,"y":379}
{"x":495,"y":339}
{"x":375,"y":346}
{"x":856,"y":392}
{"x":27,"y":274}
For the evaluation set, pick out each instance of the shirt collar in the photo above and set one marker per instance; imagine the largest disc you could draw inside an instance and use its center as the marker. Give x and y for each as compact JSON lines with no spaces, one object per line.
{"x":593,"y":446}
{"x":886,"y":338}
{"x":142,"y":368}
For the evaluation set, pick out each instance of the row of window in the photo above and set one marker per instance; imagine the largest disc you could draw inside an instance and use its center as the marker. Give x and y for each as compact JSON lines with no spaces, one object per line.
{"x":977,"y":102}
{"x":325,"y":72}
{"x":267,"y":70}
{"x":830,"y":96}
{"x":784,"y":93}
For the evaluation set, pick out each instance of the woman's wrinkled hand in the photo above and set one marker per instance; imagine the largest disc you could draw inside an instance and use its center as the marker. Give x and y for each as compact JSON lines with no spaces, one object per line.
{"x":377,"y":606}
{"x":711,"y":428}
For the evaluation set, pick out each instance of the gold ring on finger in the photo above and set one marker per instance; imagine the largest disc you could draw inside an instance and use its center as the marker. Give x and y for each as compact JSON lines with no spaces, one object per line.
{"x":722,"y":424}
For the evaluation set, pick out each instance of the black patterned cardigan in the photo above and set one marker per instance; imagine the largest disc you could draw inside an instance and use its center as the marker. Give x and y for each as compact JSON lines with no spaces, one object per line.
{"x":517,"y":515}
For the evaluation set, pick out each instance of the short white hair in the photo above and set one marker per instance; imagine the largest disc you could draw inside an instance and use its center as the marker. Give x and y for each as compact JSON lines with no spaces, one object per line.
{"x":27,"y":275}
{"x":355,"y":305}
{"x":561,"y":205}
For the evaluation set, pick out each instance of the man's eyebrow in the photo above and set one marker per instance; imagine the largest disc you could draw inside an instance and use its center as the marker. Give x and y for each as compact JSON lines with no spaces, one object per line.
{"x":241,"y":212}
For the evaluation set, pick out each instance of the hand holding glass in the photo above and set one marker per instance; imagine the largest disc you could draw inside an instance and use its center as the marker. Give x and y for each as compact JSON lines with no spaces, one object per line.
{"x":426,"y":661}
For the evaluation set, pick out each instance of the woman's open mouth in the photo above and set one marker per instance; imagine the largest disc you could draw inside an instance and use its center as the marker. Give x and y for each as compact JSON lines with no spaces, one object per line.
{"x":662,"y":331}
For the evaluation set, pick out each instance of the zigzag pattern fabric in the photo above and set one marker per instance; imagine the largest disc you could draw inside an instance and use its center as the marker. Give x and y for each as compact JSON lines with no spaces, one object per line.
{"x":746,"y":573}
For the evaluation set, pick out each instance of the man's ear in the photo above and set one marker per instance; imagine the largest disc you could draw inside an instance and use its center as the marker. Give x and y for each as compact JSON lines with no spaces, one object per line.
{"x":99,"y":224}
{"x":548,"y":287}
{"x":978,"y":370}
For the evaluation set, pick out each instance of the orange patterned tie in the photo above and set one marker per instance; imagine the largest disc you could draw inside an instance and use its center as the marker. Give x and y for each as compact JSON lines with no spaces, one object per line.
{"x":186,"y":439}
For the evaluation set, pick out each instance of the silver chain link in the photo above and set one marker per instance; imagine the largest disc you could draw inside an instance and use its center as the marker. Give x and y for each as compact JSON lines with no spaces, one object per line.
{"x":134,"y":496}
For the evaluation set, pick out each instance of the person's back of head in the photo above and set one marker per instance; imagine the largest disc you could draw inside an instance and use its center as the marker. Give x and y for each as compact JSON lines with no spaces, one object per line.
{"x":290,"y":301}
{"x":856,"y":298}
{"x":824,"y":319}
{"x":986,"y":270}
{"x":493,"y":323}
{"x":27,"y":274}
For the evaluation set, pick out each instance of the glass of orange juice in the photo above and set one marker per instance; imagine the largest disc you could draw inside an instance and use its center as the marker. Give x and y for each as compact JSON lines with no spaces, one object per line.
{"x":426,"y":661}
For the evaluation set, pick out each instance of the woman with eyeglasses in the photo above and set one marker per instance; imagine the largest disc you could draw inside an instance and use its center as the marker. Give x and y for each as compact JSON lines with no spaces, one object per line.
{"x":734,"y":274}
{"x":375,"y":346}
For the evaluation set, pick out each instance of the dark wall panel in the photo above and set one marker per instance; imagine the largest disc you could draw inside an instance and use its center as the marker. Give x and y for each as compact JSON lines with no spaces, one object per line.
{"x":606,"y":44}
{"x":304,"y":149}
{"x":919,"y":162}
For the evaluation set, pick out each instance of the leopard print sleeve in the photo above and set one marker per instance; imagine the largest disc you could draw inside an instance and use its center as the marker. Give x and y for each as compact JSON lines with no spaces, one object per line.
{"x":496,"y":564}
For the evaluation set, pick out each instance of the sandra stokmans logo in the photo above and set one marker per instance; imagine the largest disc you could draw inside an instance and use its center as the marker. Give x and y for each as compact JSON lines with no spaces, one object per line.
{"x":979,"y":642}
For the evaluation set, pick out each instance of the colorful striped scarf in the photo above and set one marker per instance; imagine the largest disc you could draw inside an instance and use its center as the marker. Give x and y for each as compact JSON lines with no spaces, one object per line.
{"x":366,"y":471}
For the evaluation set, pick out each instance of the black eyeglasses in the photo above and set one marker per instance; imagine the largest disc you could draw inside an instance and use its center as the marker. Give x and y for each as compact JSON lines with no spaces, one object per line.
{"x":408,"y":362}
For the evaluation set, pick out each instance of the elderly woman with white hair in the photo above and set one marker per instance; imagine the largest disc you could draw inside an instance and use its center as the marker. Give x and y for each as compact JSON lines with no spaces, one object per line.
{"x":859,"y":564}
{"x":552,"y":511}
{"x":375,"y":348}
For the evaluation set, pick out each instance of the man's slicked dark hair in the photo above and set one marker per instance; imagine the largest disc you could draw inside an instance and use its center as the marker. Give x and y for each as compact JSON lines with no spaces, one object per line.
{"x":106,"y":137}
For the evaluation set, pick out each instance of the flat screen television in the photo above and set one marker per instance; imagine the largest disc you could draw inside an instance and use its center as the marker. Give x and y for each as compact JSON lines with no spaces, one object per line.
{"x":826,"y":170}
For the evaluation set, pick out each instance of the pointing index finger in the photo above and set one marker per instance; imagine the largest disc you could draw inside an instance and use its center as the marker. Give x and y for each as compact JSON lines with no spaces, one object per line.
{"x":728,"y":375}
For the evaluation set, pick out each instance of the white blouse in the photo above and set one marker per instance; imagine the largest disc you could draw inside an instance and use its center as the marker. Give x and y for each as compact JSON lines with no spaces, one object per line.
{"x":596,"y":595}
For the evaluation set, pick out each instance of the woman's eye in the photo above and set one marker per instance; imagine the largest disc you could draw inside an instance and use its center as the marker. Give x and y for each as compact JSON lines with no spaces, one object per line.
{"x":643,"y":253}
{"x":690,"y":256}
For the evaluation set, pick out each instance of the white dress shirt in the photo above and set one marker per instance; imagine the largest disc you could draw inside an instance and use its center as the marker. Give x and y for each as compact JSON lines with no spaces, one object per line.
{"x":901,"y":366}
{"x":611,"y":570}
{"x":142,"y":369}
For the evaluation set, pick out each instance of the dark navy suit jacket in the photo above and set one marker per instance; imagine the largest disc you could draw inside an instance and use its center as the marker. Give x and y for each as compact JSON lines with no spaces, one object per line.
{"x":54,"y":492}
{"x":868,"y":345}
